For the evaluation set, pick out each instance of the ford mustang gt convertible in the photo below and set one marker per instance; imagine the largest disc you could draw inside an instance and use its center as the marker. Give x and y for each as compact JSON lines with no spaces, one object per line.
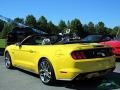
{"x":54,"y":59}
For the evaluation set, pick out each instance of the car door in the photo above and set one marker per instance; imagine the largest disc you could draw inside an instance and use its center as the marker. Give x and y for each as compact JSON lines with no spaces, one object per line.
{"x":25,"y":54}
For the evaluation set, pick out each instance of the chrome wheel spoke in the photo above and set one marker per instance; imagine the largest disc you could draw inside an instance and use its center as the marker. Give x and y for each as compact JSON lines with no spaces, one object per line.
{"x":48,"y":75}
{"x":45,"y":78}
{"x":45,"y":71}
{"x":41,"y":66}
{"x":7,"y":61}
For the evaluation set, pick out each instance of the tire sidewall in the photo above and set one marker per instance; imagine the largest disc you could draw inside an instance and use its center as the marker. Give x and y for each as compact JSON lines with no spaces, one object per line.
{"x":52,"y":80}
{"x":8,"y":56}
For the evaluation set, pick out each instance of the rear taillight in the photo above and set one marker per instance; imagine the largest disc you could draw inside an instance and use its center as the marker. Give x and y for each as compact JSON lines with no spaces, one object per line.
{"x":78,"y":55}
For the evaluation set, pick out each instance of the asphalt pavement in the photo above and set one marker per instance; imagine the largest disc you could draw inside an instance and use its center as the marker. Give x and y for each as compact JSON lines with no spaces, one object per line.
{"x":18,"y":79}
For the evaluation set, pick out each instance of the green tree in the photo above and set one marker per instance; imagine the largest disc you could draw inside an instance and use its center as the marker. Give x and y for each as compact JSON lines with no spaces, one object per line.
{"x":108,"y":30}
{"x":68,"y":24}
{"x":19,"y":20}
{"x":85,"y":27}
{"x":91,"y":28}
{"x":62,"y":26}
{"x":1,"y":25}
{"x":115,"y":31}
{"x":51,"y":28}
{"x":42,"y":24}
{"x":76,"y":27}
{"x":7,"y":28}
{"x":118,"y":32}
{"x":30,"y":21}
{"x":100,"y":28}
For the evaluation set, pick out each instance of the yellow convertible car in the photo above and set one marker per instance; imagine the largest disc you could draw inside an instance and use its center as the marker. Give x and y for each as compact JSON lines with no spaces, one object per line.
{"x":54,"y":58}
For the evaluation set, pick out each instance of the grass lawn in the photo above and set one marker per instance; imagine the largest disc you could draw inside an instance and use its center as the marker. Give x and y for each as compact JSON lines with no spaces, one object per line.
{"x":2,"y":43}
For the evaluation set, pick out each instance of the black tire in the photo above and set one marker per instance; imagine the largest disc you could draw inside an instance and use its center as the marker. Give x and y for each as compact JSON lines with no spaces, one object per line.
{"x":46,"y":72}
{"x":8,"y":62}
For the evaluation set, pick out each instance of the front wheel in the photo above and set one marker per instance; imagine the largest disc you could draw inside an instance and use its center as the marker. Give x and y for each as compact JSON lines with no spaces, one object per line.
{"x":8,"y":63}
{"x":46,"y":72}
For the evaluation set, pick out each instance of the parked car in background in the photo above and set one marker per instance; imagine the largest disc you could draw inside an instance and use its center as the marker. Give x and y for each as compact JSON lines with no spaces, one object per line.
{"x":107,"y":40}
{"x":115,"y":44}
{"x":53,"y":59}
{"x":96,"y":38}
{"x":17,"y":34}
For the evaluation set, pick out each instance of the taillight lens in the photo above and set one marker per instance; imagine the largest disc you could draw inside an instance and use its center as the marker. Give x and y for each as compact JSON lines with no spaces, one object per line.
{"x":78,"y":55}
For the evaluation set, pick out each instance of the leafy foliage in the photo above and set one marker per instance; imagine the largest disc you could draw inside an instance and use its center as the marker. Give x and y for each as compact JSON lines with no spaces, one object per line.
{"x":1,"y":25}
{"x":2,"y":43}
{"x":19,"y":20}
{"x":30,"y":21}
{"x":91,"y":28}
{"x":75,"y":26}
{"x":100,"y":27}
{"x":62,"y":26}
{"x":42,"y":23}
{"x":52,"y":29}
{"x":7,"y":28}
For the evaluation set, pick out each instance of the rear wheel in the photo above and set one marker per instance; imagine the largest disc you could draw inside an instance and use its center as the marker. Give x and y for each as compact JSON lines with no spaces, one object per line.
{"x":8,"y":62}
{"x":46,"y":72}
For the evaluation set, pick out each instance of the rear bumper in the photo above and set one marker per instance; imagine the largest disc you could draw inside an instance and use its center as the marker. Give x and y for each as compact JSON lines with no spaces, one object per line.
{"x":88,"y":75}
{"x":94,"y":67}
{"x":93,"y":74}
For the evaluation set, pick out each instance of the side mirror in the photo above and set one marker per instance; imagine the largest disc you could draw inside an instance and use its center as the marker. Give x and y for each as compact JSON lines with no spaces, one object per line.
{"x":18,"y":44}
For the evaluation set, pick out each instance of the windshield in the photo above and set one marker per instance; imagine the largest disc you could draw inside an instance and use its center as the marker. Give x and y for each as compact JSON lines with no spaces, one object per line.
{"x":41,"y":39}
{"x":92,"y":38}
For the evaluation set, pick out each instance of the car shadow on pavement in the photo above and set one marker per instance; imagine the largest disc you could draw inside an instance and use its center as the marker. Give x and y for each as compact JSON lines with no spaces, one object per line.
{"x":108,"y":82}
{"x":89,"y":84}
{"x":27,"y":72}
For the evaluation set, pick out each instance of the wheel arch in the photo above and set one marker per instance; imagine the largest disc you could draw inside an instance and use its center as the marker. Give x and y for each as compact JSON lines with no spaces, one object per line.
{"x":11,"y":64}
{"x":42,"y":58}
{"x":6,"y":52}
{"x":40,"y":61}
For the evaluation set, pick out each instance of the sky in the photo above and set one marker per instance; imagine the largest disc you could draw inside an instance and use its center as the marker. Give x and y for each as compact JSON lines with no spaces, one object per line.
{"x":107,"y":11}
